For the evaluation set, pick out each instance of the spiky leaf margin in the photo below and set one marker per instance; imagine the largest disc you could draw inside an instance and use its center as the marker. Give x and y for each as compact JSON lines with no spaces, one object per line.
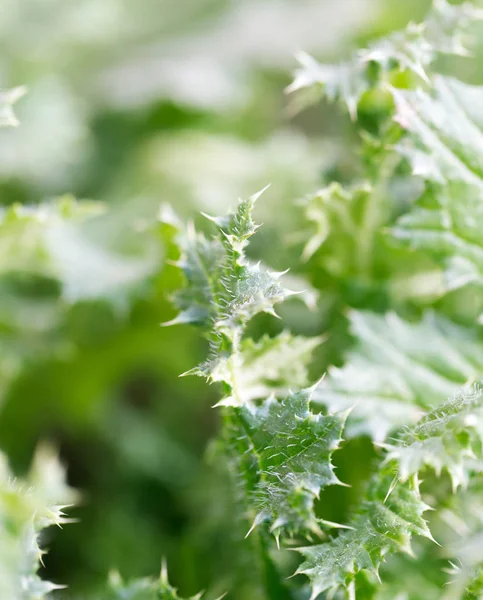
{"x":144,"y":589}
{"x":26,"y":508}
{"x":291,"y":450}
{"x":223,"y":292}
{"x":398,"y":369}
{"x":411,"y":50}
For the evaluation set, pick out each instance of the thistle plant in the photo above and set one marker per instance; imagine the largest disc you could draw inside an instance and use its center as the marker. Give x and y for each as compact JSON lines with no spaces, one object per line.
{"x":406,"y":236}
{"x":410,"y":379}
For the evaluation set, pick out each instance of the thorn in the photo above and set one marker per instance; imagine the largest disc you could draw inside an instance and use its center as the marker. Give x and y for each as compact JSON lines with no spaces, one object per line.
{"x":195,"y":371}
{"x":271,"y":311}
{"x":376,"y":573}
{"x":254,"y":524}
{"x":395,"y":481}
{"x":429,"y":535}
{"x":313,"y":388}
{"x":336,"y":525}
{"x":278,"y":274}
{"x":289,"y":293}
{"x":227,"y":401}
{"x":218,"y":221}
{"x":257,"y":195}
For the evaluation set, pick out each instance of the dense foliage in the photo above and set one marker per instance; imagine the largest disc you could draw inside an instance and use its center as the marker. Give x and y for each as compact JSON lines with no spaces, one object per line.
{"x":347,"y":419}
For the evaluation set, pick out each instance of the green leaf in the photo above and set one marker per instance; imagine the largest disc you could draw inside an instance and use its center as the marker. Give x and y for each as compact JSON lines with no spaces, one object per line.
{"x":345,"y":224}
{"x":474,"y":587}
{"x":144,"y":589}
{"x":24,"y":231}
{"x":444,"y":145}
{"x":460,"y":522}
{"x":448,"y":438}
{"x":259,"y":369}
{"x":26,"y":508}
{"x":201,"y":263}
{"x":443,"y":126}
{"x":384,"y":524}
{"x":411,"y":51}
{"x":467,"y":579}
{"x":291,"y":449}
{"x":223,"y":289}
{"x":223,"y":292}
{"x":398,"y":368}
{"x":54,"y":240}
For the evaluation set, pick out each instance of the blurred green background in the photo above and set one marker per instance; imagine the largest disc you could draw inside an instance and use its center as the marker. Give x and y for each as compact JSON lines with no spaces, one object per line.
{"x":136,"y":104}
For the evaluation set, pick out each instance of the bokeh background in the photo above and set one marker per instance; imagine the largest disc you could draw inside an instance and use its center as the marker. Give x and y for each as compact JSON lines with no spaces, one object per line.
{"x":135,"y":105}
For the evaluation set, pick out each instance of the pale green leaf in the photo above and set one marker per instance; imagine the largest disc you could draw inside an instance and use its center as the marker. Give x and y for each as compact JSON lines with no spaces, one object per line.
{"x":444,"y":145}
{"x":460,"y":523}
{"x":411,"y":50}
{"x":223,"y":289}
{"x":292,"y":449}
{"x":259,"y":369}
{"x":383,"y":525}
{"x":54,"y":240}
{"x":444,"y":141}
{"x":344,"y":221}
{"x":27,"y":507}
{"x":398,"y":369}
{"x":223,"y":292}
{"x":143,"y":589}
{"x":448,"y":438}
{"x":24,"y":232}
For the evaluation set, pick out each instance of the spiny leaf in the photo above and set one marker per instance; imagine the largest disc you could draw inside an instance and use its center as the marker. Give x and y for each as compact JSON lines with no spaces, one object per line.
{"x":398,"y":368}
{"x":443,"y":126}
{"x":292,"y":450}
{"x":27,"y":507}
{"x":258,"y":369}
{"x":460,"y":520}
{"x":223,"y":291}
{"x":467,"y":581}
{"x":201,"y":262}
{"x":144,"y":589}
{"x":474,"y":585}
{"x":444,"y":145}
{"x":411,"y":50}
{"x":382,"y":526}
{"x":7,"y":100}
{"x":341,"y":219}
{"x":448,"y":438}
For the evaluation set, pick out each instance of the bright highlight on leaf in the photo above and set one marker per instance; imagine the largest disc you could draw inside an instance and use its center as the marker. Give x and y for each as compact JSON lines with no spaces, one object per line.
{"x":7,"y":99}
